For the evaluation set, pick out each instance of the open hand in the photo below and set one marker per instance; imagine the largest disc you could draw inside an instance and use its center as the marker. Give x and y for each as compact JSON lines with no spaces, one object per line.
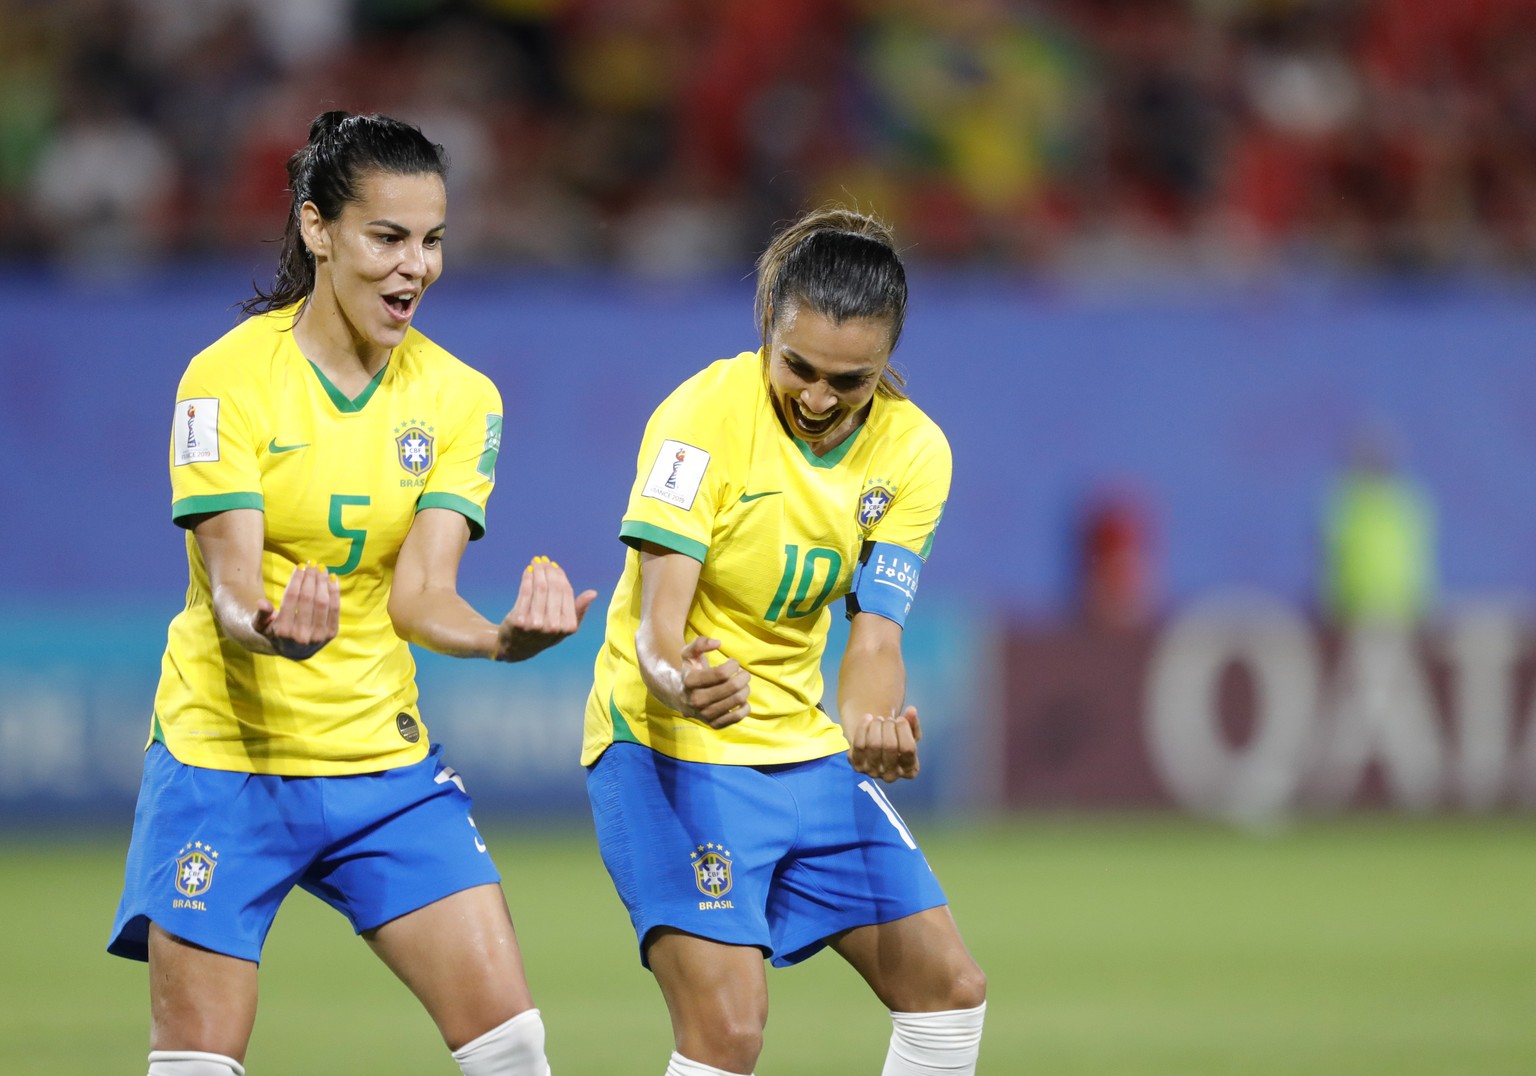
{"x":713,"y":694}
{"x":885,"y":747}
{"x":308,"y":617}
{"x":546,"y":611}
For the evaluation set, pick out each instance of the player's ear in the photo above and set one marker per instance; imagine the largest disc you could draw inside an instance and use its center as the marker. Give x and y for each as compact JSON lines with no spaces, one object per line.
{"x":312,"y":229}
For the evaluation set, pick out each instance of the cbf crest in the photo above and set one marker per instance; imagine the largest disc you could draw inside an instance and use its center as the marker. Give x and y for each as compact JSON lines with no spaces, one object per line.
{"x":195,"y":864}
{"x":712,"y":871}
{"x":874,"y":502}
{"x":414,"y":446}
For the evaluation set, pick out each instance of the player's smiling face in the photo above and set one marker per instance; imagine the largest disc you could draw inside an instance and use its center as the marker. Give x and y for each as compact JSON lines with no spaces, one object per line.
{"x":377,"y":258}
{"x":822,"y":374}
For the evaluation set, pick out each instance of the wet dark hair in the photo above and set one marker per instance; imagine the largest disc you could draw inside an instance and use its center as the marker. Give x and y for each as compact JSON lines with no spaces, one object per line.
{"x":327,"y":170}
{"x":842,"y":264}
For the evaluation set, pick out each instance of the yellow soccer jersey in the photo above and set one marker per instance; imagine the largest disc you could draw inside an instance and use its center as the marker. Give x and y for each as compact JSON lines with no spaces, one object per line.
{"x":339,"y":481}
{"x":779,"y":532}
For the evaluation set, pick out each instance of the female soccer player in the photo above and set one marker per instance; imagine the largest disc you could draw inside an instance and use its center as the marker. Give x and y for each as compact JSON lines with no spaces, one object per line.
{"x":327,"y":452}
{"x":736,"y":818}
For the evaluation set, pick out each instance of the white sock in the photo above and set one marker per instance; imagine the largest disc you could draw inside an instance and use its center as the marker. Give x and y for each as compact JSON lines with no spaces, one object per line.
{"x":681,"y":1066}
{"x":192,"y":1063}
{"x":935,"y":1043}
{"x":515,"y":1048}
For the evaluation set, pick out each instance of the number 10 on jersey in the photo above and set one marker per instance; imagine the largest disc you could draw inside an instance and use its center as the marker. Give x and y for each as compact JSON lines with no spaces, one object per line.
{"x":800,"y":575}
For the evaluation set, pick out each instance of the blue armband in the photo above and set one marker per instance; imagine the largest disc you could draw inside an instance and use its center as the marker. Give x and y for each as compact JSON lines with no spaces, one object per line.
{"x":885,"y":582}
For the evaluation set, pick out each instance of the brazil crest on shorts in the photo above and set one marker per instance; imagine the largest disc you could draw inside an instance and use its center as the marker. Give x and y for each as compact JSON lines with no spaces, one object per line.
{"x":194,"y":869}
{"x":712,"y":870}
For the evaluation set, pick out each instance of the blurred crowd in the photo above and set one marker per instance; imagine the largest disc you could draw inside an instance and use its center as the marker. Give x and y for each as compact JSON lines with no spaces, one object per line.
{"x":667,"y":136}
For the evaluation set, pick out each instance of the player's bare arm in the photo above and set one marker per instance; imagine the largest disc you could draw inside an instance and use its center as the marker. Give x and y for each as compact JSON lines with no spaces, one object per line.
{"x":882,"y":733}
{"x":427,"y":609}
{"x":306,"y":618}
{"x":679,"y":673}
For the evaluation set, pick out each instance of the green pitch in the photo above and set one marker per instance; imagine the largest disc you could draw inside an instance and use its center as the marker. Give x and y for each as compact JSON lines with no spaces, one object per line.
{"x":1125,"y":946}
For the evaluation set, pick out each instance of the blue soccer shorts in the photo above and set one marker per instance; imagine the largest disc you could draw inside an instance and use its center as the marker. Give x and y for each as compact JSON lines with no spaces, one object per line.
{"x":214,"y":852}
{"x":778,"y":857}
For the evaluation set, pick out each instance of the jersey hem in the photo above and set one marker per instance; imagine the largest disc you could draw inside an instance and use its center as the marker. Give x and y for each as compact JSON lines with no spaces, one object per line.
{"x":780,"y":757}
{"x":308,"y":766}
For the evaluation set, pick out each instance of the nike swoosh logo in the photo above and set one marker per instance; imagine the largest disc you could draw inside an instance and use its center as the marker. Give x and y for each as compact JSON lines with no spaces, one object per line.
{"x":273,"y":446}
{"x":745,"y":497}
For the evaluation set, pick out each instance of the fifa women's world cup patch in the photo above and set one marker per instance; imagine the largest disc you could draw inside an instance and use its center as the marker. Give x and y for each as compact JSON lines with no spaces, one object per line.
{"x":712,"y":874}
{"x":195,"y":430}
{"x":677,"y":474}
{"x":874,"y":502}
{"x":195,"y":864}
{"x":413,"y":446}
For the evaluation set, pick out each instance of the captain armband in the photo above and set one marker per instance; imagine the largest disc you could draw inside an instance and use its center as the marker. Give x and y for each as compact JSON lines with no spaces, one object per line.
{"x":885,"y":582}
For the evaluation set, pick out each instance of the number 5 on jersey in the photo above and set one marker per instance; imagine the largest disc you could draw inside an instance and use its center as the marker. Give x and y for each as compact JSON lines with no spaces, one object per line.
{"x":339,"y":502}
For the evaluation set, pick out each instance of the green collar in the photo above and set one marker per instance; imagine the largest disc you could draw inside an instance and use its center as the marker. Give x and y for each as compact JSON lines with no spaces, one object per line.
{"x":339,"y":398}
{"x":833,"y":458}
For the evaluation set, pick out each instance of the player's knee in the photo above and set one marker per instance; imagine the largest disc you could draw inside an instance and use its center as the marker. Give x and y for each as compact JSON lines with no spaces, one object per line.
{"x":961,"y":985}
{"x":515,"y":1048}
{"x":954,"y":985}
{"x":968,"y":989}
{"x":742,"y":1041}
{"x":731,"y":1043}
{"x":192,"y":1063}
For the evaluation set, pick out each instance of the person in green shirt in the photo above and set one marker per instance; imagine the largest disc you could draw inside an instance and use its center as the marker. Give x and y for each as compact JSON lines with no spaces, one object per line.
{"x":1379,"y":540}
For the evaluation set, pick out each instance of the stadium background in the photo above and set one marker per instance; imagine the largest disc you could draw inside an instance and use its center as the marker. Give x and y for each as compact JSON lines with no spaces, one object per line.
{"x":1171,"y":261}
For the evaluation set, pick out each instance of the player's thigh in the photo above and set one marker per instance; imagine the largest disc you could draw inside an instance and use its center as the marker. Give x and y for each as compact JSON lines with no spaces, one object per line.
{"x":716,"y":994}
{"x":460,"y":957}
{"x":918,"y":963}
{"x":407,"y":867}
{"x":199,"y":999}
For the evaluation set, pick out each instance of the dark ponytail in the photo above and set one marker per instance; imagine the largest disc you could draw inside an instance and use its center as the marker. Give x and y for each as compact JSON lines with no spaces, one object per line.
{"x":327,"y":170}
{"x":842,"y":264}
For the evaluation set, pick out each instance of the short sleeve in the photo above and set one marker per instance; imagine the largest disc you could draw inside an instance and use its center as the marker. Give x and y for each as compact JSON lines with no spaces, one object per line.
{"x":680,"y":472}
{"x":465,"y":471}
{"x":918,"y":501}
{"x":213,"y":450}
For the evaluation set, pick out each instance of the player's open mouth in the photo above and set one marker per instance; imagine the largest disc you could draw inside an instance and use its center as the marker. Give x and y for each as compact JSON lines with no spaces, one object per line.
{"x":401,"y":305}
{"x":813,"y":427}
